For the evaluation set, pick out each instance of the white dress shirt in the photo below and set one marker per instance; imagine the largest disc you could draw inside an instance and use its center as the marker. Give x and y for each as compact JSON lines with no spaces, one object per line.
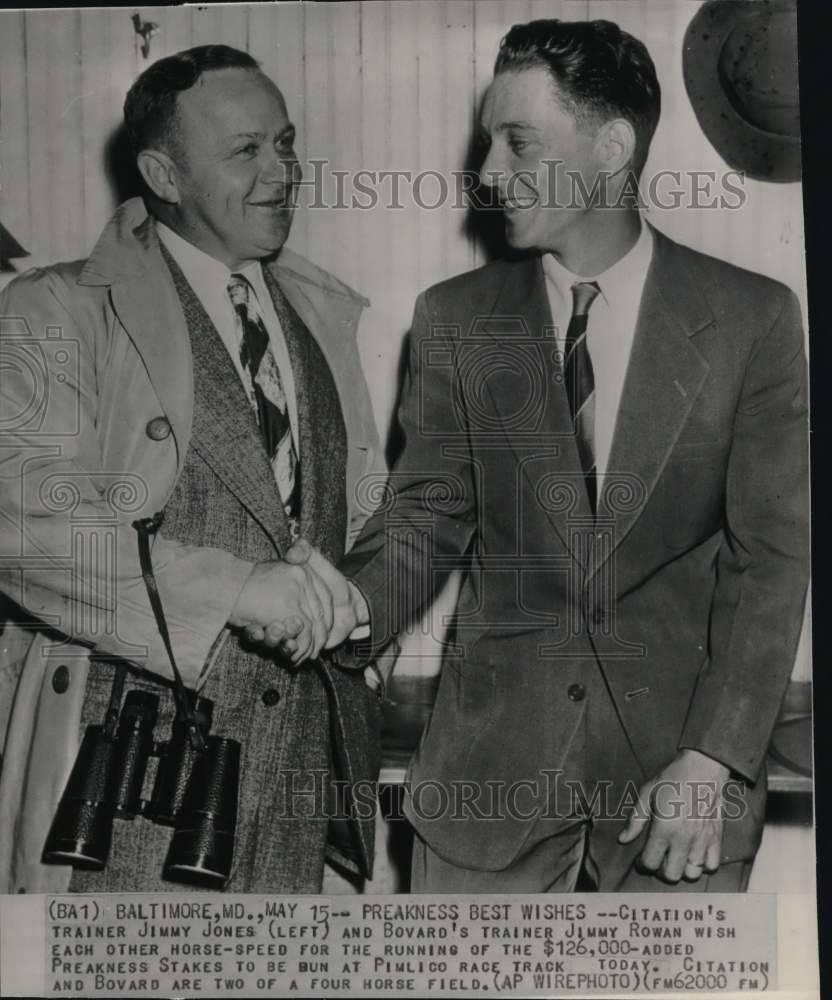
{"x":209,"y":278}
{"x":611,"y":328}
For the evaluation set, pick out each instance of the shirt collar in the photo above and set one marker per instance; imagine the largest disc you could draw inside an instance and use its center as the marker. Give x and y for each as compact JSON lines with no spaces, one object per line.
{"x":202,"y":271}
{"x":622,"y":278}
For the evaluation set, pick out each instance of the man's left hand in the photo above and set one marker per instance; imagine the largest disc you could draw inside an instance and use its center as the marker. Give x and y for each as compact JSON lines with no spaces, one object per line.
{"x":683,"y":805}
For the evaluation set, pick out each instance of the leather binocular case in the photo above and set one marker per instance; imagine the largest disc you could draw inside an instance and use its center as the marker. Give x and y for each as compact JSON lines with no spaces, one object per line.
{"x":194,"y":791}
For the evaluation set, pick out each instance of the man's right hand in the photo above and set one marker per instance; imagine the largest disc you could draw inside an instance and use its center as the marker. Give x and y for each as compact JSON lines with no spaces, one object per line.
{"x":285,"y":602}
{"x":349,"y":609}
{"x":339,"y":595}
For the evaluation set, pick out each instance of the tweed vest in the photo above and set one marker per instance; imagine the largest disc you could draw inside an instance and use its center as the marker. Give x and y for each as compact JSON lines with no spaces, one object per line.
{"x":205,"y":509}
{"x":202,"y":510}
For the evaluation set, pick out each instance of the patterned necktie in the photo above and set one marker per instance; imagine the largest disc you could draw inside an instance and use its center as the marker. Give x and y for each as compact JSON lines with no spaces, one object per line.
{"x":266,"y":393}
{"x":580,"y":381}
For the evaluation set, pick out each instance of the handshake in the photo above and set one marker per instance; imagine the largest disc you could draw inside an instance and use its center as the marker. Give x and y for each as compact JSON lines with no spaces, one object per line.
{"x":301,"y":605}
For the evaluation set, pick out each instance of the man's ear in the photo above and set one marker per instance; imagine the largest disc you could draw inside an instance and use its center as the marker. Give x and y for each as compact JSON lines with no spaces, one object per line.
{"x":617,"y":145}
{"x":160,"y":174}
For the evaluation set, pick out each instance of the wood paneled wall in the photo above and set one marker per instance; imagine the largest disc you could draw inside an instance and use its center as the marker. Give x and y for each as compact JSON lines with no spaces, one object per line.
{"x":380,"y":86}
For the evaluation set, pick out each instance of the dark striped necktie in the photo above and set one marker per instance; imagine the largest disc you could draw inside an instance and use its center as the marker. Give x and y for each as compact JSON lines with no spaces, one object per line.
{"x":580,"y":381}
{"x":266,"y":392}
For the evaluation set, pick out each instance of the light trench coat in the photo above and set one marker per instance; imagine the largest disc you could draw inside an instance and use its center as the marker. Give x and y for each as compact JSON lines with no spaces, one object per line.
{"x":97,"y":403}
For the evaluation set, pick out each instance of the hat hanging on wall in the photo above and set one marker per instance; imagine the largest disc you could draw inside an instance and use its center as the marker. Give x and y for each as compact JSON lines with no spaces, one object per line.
{"x":9,"y":248}
{"x":740,"y":67}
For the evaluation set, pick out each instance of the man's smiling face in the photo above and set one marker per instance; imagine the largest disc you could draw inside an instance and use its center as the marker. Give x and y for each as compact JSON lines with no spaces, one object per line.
{"x":236,"y":167}
{"x":527,"y":132}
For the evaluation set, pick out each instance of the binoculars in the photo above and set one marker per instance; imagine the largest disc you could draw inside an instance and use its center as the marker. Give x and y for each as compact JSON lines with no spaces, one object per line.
{"x":195,"y":791}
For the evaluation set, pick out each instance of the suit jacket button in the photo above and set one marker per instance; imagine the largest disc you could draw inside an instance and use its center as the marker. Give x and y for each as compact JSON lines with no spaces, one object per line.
{"x":158,"y":428}
{"x":60,"y":679}
{"x":270,"y":697}
{"x":576,"y":692}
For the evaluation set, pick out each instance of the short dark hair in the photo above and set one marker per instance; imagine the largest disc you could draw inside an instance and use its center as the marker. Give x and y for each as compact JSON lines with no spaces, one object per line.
{"x":601,"y":72}
{"x":150,"y":105}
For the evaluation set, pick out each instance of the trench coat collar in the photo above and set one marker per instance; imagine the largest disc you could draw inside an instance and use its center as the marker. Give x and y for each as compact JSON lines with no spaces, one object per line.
{"x":127,"y":260}
{"x":129,"y":248}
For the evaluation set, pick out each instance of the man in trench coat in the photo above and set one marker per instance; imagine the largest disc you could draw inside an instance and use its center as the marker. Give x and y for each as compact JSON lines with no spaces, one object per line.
{"x":121,"y":398}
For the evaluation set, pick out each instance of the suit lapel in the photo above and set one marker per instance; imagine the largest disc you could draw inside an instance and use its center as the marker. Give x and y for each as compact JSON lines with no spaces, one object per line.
{"x":664,"y":376}
{"x":520,"y":320}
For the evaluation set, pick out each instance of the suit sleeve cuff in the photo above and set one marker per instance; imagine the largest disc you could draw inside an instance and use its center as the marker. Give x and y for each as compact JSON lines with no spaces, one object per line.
{"x":726,"y":734}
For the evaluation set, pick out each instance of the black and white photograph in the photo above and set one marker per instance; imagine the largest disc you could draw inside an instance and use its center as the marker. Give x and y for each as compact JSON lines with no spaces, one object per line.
{"x":405,"y":501}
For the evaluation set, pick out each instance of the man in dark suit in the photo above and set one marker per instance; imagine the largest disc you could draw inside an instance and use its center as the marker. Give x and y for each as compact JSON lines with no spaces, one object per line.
{"x":216,"y":379}
{"x":606,"y":431}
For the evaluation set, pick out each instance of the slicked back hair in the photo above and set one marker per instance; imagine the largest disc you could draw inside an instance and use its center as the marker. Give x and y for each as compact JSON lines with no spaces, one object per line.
{"x":600,"y":72}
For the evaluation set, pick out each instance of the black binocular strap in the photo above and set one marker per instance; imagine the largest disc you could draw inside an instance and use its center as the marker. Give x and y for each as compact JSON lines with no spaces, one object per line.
{"x":146,"y":528}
